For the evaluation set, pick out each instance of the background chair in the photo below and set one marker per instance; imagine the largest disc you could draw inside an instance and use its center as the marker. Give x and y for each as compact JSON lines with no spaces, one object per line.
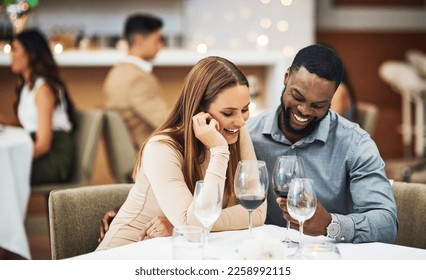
{"x":87,"y":138}
{"x":406,"y":78}
{"x":120,"y":150}
{"x":74,"y":216}
{"x":411,"y":205}
{"x":367,"y":116}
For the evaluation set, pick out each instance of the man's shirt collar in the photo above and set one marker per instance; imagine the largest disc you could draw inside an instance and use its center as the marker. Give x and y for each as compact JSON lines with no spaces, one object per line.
{"x":141,"y":63}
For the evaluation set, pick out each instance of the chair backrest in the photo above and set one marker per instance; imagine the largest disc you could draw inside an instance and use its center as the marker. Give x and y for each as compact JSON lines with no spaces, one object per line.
{"x":87,"y":136}
{"x":121,"y":152}
{"x":411,"y":206}
{"x":367,"y":116}
{"x":75,"y":215}
{"x":87,"y":139}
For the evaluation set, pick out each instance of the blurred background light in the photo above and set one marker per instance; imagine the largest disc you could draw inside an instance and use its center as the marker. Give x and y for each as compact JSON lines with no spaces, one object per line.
{"x":288,"y":51}
{"x":263,"y":40}
{"x":58,"y":48}
{"x":265,"y":22}
{"x":286,"y":2}
{"x":202,"y":48}
{"x":7,"y":49}
{"x":282,"y":26}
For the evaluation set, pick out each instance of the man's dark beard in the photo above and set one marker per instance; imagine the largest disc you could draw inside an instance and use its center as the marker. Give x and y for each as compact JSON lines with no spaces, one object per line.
{"x":286,"y":121}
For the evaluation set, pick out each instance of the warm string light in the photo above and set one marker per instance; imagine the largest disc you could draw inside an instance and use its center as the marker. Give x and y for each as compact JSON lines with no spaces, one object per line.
{"x":288,"y":51}
{"x":7,"y":48}
{"x":282,"y":26}
{"x":286,"y":2}
{"x":58,"y":48}
{"x":263,"y":40}
{"x":202,"y":48}
{"x":265,"y":23}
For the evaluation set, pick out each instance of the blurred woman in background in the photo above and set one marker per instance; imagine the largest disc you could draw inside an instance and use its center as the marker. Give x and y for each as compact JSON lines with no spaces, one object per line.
{"x":43,"y":108}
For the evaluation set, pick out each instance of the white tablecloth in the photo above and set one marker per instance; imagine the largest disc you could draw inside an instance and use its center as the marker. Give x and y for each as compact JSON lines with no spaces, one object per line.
{"x":16,"y":150}
{"x":223,"y":245}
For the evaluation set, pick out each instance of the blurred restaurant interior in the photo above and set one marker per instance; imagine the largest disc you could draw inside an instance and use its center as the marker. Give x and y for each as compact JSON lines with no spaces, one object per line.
{"x":261,"y":36}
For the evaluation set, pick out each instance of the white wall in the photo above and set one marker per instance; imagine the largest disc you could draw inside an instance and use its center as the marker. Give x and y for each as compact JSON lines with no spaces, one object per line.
{"x":220,"y":24}
{"x":236,"y":24}
{"x":382,"y":18}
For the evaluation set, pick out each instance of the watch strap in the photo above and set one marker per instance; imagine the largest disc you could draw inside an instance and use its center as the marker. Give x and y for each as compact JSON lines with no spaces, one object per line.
{"x":333,"y":229}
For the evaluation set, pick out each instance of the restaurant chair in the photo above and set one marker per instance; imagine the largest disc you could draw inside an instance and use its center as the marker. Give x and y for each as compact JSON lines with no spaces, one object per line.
{"x":404,"y":78}
{"x":367,"y":116}
{"x":120,"y":150}
{"x":87,"y":136}
{"x":75,"y":215}
{"x":410,"y":201}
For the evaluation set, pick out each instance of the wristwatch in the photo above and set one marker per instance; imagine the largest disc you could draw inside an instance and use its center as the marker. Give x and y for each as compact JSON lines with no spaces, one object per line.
{"x":333,"y":229}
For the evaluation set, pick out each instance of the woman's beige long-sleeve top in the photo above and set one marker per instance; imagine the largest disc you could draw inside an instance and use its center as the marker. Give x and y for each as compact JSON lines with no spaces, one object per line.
{"x":160,"y":190}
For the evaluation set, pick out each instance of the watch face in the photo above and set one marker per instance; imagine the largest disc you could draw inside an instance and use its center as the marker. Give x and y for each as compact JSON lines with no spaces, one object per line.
{"x":333,"y":230}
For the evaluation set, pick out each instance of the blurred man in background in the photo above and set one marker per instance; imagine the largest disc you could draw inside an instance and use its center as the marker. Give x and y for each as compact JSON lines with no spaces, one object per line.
{"x":130,"y":87}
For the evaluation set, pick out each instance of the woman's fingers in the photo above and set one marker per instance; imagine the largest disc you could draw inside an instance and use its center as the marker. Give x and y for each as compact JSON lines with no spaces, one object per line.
{"x":157,"y":227}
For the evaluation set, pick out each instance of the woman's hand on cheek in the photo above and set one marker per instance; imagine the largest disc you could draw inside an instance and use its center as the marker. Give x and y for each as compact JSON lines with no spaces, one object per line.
{"x":206,"y":129}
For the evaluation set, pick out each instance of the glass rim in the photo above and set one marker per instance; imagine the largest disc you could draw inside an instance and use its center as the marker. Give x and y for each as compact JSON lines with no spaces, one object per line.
{"x":261,"y":162}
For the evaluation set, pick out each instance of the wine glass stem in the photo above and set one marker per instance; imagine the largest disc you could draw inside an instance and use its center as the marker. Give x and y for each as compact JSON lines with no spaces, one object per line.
{"x":206,"y":239}
{"x":250,"y":223}
{"x":301,"y":232}
{"x":287,"y":235}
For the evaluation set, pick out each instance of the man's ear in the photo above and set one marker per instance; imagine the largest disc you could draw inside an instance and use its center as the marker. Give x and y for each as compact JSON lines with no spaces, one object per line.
{"x":286,"y":76}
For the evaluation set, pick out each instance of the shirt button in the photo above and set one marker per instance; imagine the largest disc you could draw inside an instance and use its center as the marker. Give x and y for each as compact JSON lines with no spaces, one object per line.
{"x":292,"y":147}
{"x":342,"y":238}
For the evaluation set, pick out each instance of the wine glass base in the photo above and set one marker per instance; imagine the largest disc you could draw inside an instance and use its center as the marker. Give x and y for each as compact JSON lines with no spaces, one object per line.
{"x":209,"y":258}
{"x":317,"y":251}
{"x":290,"y":243}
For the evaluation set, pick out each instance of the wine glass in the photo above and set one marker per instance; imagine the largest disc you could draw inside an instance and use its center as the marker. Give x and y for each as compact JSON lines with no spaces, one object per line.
{"x":251,"y":185}
{"x":285,"y":169}
{"x":301,"y":202}
{"x":207,"y":205}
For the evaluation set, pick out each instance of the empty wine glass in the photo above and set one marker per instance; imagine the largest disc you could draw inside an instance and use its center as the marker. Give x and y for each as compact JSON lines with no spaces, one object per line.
{"x":285,"y":169}
{"x":251,"y":185}
{"x":207,"y":205}
{"x":301,"y":202}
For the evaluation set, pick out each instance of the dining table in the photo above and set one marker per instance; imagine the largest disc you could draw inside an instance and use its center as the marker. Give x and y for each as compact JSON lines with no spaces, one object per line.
{"x":16,"y":152}
{"x":228,"y":245}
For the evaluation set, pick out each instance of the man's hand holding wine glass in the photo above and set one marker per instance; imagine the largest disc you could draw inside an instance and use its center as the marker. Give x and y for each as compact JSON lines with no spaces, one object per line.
{"x":314,"y":226}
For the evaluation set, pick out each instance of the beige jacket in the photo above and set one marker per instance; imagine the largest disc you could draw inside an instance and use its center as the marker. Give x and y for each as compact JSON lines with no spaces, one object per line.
{"x":137,"y":95}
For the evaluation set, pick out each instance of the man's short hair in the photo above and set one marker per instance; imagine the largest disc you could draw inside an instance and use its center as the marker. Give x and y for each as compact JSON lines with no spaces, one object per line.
{"x":319,"y":60}
{"x":141,"y":24}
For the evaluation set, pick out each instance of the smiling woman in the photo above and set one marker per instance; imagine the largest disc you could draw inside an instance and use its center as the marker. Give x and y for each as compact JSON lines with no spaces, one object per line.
{"x":203,"y":138}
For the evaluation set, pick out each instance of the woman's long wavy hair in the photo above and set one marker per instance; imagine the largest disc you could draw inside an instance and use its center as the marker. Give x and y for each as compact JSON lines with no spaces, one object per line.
{"x":205,"y":81}
{"x":42,"y":64}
